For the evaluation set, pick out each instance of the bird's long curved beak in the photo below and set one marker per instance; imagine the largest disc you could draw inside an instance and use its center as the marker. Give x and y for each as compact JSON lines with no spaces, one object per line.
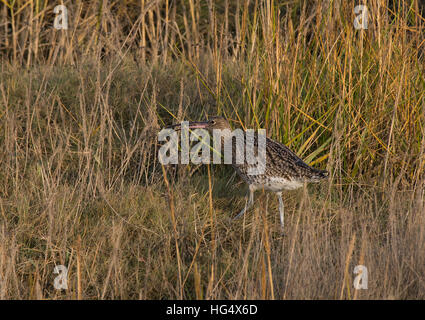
{"x":192,"y":125}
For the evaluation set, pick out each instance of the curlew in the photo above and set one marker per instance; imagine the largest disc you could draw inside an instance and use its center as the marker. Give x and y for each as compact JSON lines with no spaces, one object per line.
{"x":284,"y":170}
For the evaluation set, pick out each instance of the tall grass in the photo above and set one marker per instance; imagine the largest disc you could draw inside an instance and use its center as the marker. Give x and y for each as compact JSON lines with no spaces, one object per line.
{"x":81,"y":185}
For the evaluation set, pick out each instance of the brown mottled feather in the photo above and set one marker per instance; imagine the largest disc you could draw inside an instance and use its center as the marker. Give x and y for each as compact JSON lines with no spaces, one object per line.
{"x":281,"y":162}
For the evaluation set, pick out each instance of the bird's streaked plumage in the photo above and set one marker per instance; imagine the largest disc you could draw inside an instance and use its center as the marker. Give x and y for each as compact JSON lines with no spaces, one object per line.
{"x":284,"y":170}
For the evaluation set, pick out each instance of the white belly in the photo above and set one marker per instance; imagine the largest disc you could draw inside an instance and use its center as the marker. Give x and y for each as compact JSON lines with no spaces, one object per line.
{"x":277,"y":184}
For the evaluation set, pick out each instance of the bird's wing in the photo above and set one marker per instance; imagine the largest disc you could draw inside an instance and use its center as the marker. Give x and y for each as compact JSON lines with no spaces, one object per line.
{"x":284,"y":162}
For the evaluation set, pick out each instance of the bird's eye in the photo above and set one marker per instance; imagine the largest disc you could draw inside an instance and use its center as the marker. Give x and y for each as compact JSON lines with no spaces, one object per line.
{"x":212,"y":121}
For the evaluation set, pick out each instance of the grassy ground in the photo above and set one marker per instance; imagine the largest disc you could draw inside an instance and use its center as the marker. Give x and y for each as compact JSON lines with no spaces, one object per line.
{"x":81,"y":185}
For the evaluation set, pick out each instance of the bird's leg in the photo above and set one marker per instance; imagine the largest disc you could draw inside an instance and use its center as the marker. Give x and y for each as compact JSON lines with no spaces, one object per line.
{"x":247,"y":205}
{"x":281,"y":210}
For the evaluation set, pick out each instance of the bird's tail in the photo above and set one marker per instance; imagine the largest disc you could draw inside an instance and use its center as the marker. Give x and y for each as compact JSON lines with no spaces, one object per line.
{"x":319,"y":175}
